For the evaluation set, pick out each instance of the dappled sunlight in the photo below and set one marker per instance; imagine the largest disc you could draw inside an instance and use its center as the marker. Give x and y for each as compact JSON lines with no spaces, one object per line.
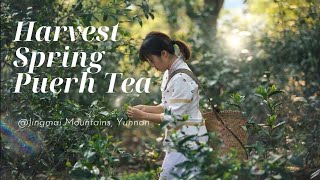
{"x":234,"y":42}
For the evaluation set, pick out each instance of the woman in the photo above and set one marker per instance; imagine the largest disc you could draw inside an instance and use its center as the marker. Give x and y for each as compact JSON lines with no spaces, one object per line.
{"x":180,"y":95}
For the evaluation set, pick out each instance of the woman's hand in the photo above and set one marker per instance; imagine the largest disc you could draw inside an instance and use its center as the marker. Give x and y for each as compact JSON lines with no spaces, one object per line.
{"x":141,"y":107}
{"x":135,"y":113}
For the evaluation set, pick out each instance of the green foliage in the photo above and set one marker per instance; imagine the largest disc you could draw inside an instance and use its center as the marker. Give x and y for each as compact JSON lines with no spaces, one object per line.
{"x":270,"y":134}
{"x":153,"y":174}
{"x":271,"y":154}
{"x":237,"y":99}
{"x":98,"y":158}
{"x":266,"y":161}
{"x":83,"y":147}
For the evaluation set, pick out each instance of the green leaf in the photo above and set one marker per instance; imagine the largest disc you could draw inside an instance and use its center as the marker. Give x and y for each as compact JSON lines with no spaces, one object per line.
{"x":105,"y":113}
{"x":95,"y":18}
{"x":44,"y":163}
{"x":164,"y":123}
{"x":259,"y":95}
{"x":278,"y":176}
{"x":187,"y":138}
{"x":276,"y":104}
{"x":275,"y":92}
{"x":68,"y":164}
{"x":185,"y":117}
{"x":236,"y":105}
{"x":244,"y":128}
{"x":78,"y":7}
{"x":139,"y":20}
{"x":237,"y":97}
{"x":315,"y":174}
{"x":152,"y":16}
{"x":274,"y":158}
{"x":264,"y":132}
{"x":280,"y":124}
{"x":260,"y":90}
{"x":126,"y":106}
{"x":94,"y":103}
{"x":115,"y":18}
{"x":271,"y":120}
{"x":273,"y":88}
{"x":105,"y":17}
{"x":86,"y":19}
{"x":260,"y":147}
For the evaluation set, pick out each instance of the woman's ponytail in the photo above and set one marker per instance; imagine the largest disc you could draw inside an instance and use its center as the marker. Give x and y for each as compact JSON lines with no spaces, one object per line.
{"x":155,"y":42}
{"x":184,"y":49}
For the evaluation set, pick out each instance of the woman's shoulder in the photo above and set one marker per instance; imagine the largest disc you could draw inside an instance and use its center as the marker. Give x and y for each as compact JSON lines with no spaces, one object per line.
{"x":180,"y":76}
{"x":183,"y":80}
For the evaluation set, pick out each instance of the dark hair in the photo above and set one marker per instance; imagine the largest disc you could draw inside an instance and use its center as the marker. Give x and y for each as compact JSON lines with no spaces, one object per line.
{"x":156,"y":42}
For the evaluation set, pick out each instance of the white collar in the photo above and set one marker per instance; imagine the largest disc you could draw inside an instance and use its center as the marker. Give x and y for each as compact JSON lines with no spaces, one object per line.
{"x":174,"y":66}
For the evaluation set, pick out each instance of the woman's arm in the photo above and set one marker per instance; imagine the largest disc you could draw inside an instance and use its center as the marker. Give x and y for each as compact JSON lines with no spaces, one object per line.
{"x":151,"y":109}
{"x":141,"y":115}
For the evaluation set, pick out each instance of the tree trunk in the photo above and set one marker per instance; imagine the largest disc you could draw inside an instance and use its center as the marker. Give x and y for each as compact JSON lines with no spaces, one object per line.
{"x":207,"y":23}
{"x":211,"y":20}
{"x":204,"y":17}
